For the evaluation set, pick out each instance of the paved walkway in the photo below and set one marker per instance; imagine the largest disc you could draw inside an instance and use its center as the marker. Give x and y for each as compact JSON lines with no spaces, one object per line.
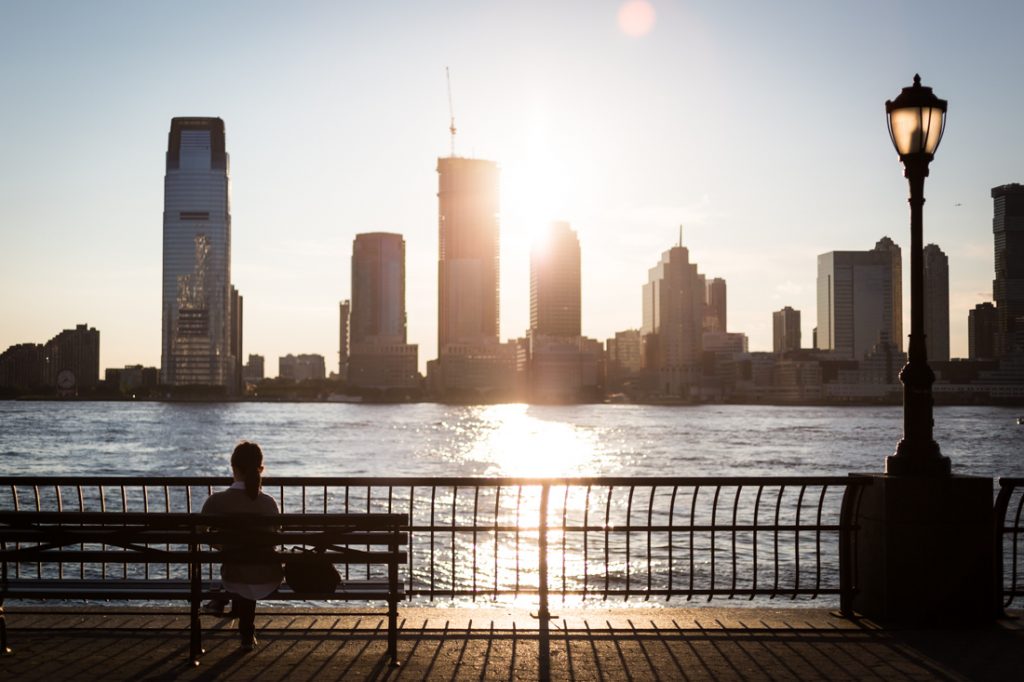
{"x":481,"y":644}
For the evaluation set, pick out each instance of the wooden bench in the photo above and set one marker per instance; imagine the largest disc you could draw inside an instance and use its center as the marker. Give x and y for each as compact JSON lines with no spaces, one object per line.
{"x":163,"y":556}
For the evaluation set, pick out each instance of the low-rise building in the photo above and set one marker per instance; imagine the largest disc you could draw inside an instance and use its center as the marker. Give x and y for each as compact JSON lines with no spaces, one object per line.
{"x":302,"y":367}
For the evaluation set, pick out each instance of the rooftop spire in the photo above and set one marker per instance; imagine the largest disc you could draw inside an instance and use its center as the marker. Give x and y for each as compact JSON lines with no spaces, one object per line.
{"x":451,"y":110}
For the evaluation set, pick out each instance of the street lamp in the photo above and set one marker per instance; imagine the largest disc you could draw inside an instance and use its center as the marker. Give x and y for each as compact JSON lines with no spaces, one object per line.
{"x":916,"y":121}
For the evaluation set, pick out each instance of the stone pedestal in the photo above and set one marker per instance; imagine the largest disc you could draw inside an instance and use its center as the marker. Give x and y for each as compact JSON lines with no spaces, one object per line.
{"x":925,"y":549}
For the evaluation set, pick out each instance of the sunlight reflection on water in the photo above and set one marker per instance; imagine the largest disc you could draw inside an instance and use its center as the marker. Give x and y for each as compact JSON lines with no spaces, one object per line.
{"x":512,"y":442}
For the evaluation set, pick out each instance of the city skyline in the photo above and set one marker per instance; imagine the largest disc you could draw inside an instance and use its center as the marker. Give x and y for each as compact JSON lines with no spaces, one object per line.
{"x":644,"y":145}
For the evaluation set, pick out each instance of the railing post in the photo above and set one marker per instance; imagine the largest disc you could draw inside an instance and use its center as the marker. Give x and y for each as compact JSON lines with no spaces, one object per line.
{"x":543,"y":613}
{"x":1002,"y":504}
{"x":4,"y":649}
{"x":847,"y":542}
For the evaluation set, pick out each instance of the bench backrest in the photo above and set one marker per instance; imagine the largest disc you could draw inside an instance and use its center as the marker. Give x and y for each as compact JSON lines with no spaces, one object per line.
{"x":118,"y":545}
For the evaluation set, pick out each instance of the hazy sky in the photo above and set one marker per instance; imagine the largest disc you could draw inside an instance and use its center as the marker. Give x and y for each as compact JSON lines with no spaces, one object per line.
{"x":757,"y":125}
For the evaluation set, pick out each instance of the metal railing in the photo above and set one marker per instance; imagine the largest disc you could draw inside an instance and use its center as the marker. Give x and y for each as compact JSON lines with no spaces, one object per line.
{"x":1009,"y":539}
{"x":503,"y":539}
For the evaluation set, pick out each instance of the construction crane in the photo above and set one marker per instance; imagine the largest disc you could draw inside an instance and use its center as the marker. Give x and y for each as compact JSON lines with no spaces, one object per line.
{"x":451,"y":110}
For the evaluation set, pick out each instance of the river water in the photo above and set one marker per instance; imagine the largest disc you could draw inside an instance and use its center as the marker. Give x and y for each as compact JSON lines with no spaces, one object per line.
{"x":429,"y":440}
{"x":330,"y":439}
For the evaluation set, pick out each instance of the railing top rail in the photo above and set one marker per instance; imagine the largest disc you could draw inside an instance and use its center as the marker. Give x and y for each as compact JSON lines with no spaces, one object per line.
{"x":441,"y":481}
{"x":1011,"y":482}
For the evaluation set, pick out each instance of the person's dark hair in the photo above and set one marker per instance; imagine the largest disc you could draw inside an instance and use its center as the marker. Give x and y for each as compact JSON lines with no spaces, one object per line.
{"x":247,"y":460}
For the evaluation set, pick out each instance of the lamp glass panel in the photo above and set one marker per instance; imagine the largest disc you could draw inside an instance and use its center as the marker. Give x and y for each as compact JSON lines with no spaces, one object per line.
{"x":932,"y":119}
{"x":916,"y":129}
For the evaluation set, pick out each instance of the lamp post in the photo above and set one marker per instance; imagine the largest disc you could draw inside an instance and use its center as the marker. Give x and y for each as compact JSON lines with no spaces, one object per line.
{"x":916,"y":121}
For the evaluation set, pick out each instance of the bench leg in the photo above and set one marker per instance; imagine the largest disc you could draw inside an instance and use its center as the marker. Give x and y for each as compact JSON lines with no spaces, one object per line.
{"x":393,"y":607}
{"x":393,"y":632}
{"x":4,"y":649}
{"x":195,"y":648}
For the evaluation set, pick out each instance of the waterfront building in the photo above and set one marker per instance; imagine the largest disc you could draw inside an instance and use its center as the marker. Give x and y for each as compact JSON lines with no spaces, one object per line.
{"x":563,"y":368}
{"x":253,"y":370}
{"x":201,"y":312}
{"x":754,"y":372}
{"x":855,"y":292}
{"x":982,"y":323}
{"x":379,"y":356}
{"x":673,"y":321}
{"x":936,"y":303}
{"x":468,"y":269}
{"x":344,"y":313}
{"x":468,"y":252}
{"x":715,"y":311}
{"x":301,"y":367}
{"x":623,"y":359}
{"x":475,"y":371}
{"x":555,"y":283}
{"x":378,"y":288}
{"x":237,"y":382}
{"x":1008,"y":285}
{"x":724,"y":342}
{"x":132,"y":377}
{"x":23,"y":366}
{"x":73,"y":356}
{"x":796,"y":381}
{"x":719,"y":363}
{"x":785,"y":330}
{"x":875,"y":377}
{"x":887,"y":246}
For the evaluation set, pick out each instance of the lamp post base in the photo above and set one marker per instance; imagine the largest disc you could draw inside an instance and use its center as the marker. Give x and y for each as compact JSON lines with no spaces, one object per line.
{"x":914,"y":460}
{"x":925,"y":550}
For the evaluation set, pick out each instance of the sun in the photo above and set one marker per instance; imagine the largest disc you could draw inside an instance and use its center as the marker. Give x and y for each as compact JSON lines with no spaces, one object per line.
{"x":531,"y":192}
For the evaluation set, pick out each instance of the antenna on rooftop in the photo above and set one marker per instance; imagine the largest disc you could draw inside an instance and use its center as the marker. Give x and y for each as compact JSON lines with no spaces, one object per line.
{"x":680,"y":234}
{"x":451,"y":110}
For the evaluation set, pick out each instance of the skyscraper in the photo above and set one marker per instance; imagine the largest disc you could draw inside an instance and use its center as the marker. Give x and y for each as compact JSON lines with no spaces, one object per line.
{"x":201,"y":332}
{"x":468,"y":267}
{"x":785,"y":330}
{"x":982,"y":323}
{"x":379,"y":356}
{"x":673,"y":320}
{"x":714,"y":315}
{"x":344,"y":314}
{"x":856,"y":299}
{"x":1008,"y":286}
{"x":936,"y":303}
{"x":563,"y":365}
{"x":888,"y":246}
{"x":378,"y":288}
{"x":472,"y":363}
{"x":555,"y":283}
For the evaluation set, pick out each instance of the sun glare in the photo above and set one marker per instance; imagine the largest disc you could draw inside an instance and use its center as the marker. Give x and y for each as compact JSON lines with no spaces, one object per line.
{"x":528,"y":195}
{"x":534,"y":185}
{"x":636,"y":18}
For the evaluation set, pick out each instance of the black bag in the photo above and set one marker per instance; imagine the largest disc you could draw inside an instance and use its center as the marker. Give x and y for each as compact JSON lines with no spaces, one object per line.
{"x":310,"y":572}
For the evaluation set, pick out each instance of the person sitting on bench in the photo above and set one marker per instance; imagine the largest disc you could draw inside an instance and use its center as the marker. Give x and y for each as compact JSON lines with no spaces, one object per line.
{"x":246,"y":582}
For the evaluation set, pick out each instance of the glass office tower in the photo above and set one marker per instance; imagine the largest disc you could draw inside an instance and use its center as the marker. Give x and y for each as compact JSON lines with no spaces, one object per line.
{"x":199,"y":323}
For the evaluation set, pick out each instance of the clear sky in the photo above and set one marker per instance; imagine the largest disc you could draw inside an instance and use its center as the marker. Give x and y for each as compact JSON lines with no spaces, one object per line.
{"x":757,"y":125}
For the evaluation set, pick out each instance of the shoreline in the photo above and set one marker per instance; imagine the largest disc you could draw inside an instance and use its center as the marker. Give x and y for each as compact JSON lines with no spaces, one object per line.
{"x":639,"y":403}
